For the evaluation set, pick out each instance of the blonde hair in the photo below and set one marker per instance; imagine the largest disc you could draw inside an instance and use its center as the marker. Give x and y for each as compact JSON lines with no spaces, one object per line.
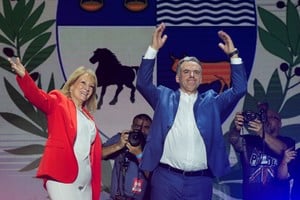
{"x":91,"y":103}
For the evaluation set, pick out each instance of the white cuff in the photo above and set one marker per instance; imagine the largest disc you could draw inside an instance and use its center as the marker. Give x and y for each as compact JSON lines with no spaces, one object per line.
{"x":236,"y":61}
{"x":150,"y":53}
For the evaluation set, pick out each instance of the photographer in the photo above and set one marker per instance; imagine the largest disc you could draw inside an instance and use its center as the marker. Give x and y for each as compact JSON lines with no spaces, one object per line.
{"x":128,"y":181}
{"x":265,"y":155}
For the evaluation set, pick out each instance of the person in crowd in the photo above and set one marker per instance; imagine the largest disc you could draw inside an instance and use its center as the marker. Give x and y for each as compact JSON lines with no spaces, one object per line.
{"x":71,"y":162}
{"x":289,"y":170}
{"x":295,"y":191}
{"x":128,"y":181}
{"x":185,"y":148}
{"x":265,"y":156}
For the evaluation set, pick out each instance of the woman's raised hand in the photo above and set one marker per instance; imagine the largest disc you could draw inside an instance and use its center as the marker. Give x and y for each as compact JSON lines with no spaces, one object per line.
{"x":17,"y":67}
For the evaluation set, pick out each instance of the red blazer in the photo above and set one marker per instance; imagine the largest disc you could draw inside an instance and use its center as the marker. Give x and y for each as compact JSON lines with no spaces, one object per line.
{"x":58,"y":161}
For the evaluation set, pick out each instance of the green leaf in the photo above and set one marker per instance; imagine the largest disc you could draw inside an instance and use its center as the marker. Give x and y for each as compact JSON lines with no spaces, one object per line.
{"x":29,"y":7}
{"x":274,"y":94}
{"x":31,"y":166}
{"x":39,"y":58}
{"x":297,"y":61}
{"x":21,"y":123}
{"x":5,"y":41}
{"x":6,"y":29}
{"x":34,"y":17}
{"x":274,"y":25}
{"x":5,"y":64}
{"x":7,"y":10}
{"x":26,"y":107}
{"x":21,"y":13}
{"x":293,"y":25}
{"x":51,"y":85}
{"x":274,"y":46}
{"x":32,"y":149}
{"x":259,"y":91}
{"x":298,"y":50}
{"x":291,"y":107}
{"x":250,"y":103}
{"x":35,"y":46}
{"x":16,"y":17}
{"x":39,"y":80}
{"x":27,"y":35}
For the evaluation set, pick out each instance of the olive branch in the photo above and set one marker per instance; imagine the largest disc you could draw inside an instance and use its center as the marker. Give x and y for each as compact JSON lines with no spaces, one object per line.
{"x":21,"y":32}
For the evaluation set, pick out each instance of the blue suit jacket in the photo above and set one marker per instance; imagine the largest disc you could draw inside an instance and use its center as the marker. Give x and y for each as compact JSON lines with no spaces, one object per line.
{"x":208,"y":109}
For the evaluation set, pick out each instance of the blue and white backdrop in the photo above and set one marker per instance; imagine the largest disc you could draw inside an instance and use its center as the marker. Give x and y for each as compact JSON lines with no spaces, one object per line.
{"x":54,"y":37}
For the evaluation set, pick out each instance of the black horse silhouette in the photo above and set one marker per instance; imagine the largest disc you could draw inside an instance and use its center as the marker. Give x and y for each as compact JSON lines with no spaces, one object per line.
{"x":111,"y":72}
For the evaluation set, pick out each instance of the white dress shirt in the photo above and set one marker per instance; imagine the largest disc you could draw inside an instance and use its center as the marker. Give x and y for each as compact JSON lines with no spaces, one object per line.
{"x":184,"y":147}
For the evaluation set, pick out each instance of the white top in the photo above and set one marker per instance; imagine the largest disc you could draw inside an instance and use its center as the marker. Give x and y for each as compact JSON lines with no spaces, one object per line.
{"x":81,"y":188}
{"x":86,"y":133}
{"x":184,"y":147}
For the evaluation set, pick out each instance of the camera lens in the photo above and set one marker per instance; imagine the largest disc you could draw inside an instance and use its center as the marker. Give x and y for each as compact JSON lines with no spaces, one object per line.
{"x":135,"y":138}
{"x":249,"y":116}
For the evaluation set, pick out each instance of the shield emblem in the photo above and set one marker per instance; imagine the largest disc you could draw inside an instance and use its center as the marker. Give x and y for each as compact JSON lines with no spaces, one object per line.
{"x":124,"y":28}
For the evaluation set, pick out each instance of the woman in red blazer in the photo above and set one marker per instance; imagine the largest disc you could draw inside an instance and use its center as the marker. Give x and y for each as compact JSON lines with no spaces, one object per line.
{"x":70,"y":165}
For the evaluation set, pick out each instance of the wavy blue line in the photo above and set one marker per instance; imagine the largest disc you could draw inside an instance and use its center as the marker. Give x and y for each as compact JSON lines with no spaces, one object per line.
{"x":210,"y":24}
{"x":207,"y":21}
{"x":202,"y":4}
{"x":209,"y":8}
{"x":220,"y":21}
{"x":231,"y":15}
{"x":211,"y":1}
{"x":216,"y":14}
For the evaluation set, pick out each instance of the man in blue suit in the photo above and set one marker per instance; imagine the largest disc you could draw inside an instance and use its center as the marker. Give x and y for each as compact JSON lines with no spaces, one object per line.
{"x":185,"y":148}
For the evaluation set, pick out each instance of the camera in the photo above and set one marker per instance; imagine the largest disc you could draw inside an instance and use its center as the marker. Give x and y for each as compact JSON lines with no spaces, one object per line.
{"x":136,"y":138}
{"x":260,"y":115}
{"x":250,"y":116}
